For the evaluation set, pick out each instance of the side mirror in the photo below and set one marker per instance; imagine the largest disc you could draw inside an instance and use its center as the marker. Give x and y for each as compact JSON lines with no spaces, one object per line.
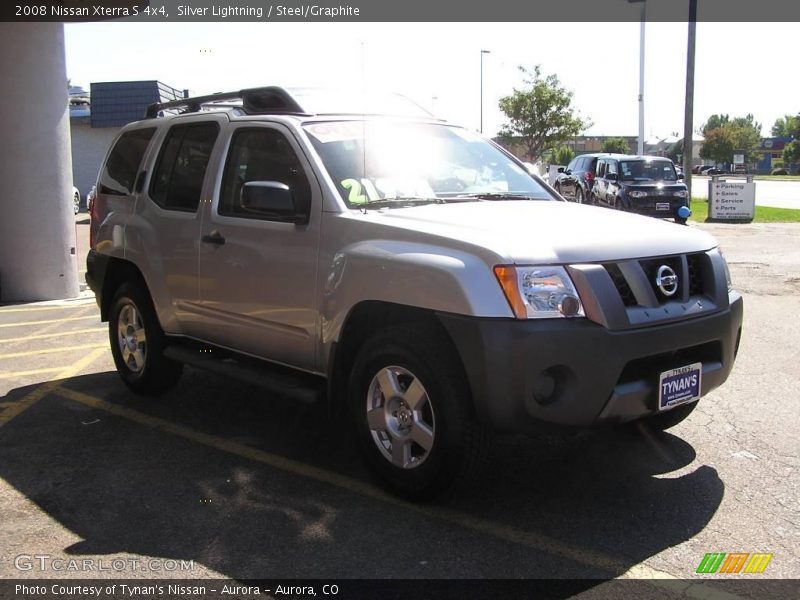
{"x":680,"y":177}
{"x":611,"y":176}
{"x":271,"y":199}
{"x":560,"y":169}
{"x":568,"y":171}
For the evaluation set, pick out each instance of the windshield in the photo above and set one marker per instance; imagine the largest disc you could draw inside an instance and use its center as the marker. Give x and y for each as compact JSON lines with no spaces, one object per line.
{"x":648,"y":170}
{"x":395,"y":162}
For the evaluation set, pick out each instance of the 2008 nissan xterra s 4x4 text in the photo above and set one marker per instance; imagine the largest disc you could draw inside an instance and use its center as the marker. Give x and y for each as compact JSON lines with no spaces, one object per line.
{"x":403,"y":269}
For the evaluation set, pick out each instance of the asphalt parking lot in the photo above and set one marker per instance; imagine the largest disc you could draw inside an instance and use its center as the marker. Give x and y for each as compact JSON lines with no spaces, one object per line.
{"x":245,"y":486}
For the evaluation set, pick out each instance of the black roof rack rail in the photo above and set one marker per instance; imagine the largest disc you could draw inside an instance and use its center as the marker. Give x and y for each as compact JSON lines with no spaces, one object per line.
{"x":262,"y":100}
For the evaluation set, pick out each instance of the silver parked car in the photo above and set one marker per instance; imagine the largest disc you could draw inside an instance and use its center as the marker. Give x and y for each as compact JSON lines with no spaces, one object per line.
{"x":406,"y":271}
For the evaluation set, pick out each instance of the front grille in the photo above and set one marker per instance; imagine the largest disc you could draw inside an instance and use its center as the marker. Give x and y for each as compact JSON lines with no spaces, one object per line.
{"x":695,"y":262}
{"x":651,"y":267}
{"x":624,"y":290}
{"x":699,"y":271}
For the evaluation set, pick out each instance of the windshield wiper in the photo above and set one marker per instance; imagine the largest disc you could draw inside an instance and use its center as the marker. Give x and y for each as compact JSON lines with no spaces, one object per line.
{"x":502,"y":196}
{"x":400,"y":200}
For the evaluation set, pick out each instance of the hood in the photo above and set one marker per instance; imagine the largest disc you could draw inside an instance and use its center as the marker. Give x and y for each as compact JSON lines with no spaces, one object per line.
{"x":545,"y":232}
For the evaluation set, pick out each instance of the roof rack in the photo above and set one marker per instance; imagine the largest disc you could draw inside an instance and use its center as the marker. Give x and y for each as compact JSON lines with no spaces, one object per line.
{"x":255,"y":101}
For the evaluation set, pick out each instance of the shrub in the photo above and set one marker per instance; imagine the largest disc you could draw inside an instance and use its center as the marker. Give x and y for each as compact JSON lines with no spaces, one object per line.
{"x":779,"y":172}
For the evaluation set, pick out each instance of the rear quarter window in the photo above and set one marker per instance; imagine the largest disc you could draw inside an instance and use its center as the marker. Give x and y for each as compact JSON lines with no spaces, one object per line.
{"x":119,"y":172}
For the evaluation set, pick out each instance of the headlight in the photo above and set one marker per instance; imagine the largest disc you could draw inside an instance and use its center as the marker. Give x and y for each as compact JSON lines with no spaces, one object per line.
{"x":637,"y":194}
{"x":539,"y":292}
{"x":681,"y":194}
{"x":727,"y":270}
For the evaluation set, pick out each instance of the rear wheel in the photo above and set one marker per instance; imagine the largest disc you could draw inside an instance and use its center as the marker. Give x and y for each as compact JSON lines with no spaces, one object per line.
{"x":413,"y":414}
{"x":137,"y":343}
{"x":76,"y":202}
{"x":579,"y":195}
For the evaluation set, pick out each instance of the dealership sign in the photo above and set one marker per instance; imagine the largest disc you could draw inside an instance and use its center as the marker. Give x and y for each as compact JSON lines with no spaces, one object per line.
{"x":732,"y":200}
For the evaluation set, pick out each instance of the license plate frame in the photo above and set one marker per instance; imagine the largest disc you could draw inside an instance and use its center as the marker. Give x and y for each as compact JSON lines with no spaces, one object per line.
{"x":680,"y":386}
{"x":662,"y":205}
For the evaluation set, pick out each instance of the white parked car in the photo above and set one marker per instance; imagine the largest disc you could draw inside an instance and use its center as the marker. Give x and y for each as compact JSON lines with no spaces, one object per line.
{"x":76,"y":200}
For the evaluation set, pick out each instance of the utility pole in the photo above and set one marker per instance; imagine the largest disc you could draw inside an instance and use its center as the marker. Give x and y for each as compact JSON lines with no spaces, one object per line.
{"x":482,"y":53}
{"x":688,"y":120}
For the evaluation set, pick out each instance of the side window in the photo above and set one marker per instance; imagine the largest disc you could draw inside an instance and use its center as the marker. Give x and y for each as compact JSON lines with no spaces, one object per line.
{"x":120,"y":170}
{"x":601,"y":168}
{"x":178,"y":177}
{"x":612,"y":167}
{"x":261,"y":154}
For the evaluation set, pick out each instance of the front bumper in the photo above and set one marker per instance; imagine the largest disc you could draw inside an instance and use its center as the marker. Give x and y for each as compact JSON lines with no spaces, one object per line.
{"x":649,"y":206}
{"x":530,"y":375}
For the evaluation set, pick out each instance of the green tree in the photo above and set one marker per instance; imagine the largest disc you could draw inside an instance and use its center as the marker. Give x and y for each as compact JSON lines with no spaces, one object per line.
{"x":718,"y":145}
{"x":714,"y":122}
{"x":791,"y":152}
{"x":675,"y":150}
{"x":540,"y":114}
{"x":725,"y":135}
{"x":786,"y":126}
{"x":561,"y":155}
{"x":617,"y":145}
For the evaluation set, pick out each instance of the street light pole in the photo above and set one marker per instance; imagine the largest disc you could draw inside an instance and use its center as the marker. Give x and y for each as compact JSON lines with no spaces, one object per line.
{"x":482,"y":53}
{"x":641,"y":79}
{"x":643,"y":18}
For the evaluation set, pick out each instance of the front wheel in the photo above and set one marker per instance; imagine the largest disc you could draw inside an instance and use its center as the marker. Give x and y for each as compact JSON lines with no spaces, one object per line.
{"x":413,"y":413}
{"x":76,"y":203}
{"x":137,"y":343}
{"x":579,"y":195}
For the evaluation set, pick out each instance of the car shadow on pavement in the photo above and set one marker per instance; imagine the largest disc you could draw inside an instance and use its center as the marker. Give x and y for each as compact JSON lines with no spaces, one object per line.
{"x":588,"y":505}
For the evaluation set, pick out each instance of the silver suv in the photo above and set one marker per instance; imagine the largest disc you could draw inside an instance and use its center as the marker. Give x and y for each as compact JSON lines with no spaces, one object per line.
{"x":407,"y":271}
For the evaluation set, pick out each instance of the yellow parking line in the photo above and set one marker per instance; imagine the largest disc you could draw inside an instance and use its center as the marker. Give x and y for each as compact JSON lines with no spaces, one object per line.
{"x":536,"y":541}
{"x":4,"y":310}
{"x":20,"y":406}
{"x":93,"y":316}
{"x":15,"y":374}
{"x":44,"y":336}
{"x":51,"y":350}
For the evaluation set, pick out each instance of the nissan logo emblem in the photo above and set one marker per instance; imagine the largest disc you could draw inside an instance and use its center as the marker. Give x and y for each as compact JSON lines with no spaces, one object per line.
{"x":667,"y":280}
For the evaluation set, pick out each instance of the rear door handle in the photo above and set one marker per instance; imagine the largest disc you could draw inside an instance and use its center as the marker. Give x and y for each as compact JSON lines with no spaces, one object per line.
{"x":215,"y":237}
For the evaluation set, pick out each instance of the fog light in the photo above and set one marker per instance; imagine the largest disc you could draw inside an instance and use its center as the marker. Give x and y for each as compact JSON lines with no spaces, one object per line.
{"x":569,"y":306}
{"x":684,"y":212}
{"x":544,"y":388}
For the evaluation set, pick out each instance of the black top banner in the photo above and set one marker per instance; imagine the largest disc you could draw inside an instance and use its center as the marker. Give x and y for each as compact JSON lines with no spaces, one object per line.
{"x":150,"y":11}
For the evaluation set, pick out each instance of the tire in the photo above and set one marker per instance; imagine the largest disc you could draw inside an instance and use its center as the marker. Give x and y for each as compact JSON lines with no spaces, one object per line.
{"x":76,"y":202}
{"x":579,"y":195}
{"x":138,"y":342}
{"x":665,"y":420}
{"x":680,"y":220}
{"x":557,"y":188}
{"x":430,"y":404}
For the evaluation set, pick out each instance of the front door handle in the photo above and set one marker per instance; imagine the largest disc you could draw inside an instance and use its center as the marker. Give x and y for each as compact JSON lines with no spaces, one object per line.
{"x":215,"y":237}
